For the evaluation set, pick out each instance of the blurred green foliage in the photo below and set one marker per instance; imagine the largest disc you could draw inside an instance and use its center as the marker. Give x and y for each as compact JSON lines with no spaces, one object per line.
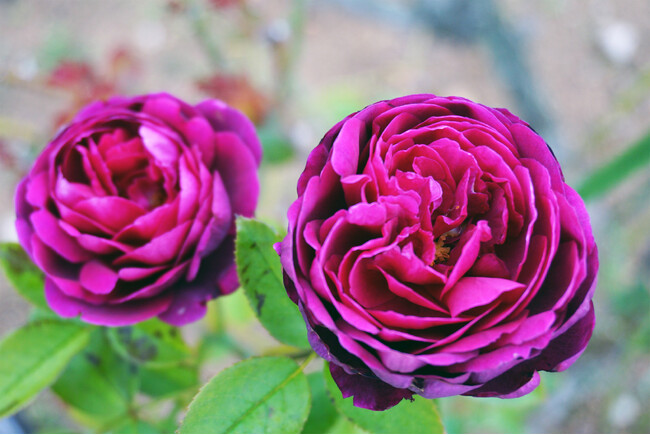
{"x":635,"y":158}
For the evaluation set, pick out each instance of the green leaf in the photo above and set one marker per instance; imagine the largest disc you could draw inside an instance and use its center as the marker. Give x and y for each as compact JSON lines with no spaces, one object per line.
{"x":258,"y":395}
{"x":39,"y":314}
{"x":131,"y":425}
{"x":492,"y":415}
{"x":343,"y":425}
{"x":33,"y":356}
{"x":419,"y":416}
{"x":152,"y":343}
{"x":168,"y":381}
{"x":213,"y":347}
{"x":323,"y":414}
{"x":617,"y":170}
{"x":260,"y":273}
{"x":98,"y":382}
{"x":23,"y":275}
{"x":275,"y":143}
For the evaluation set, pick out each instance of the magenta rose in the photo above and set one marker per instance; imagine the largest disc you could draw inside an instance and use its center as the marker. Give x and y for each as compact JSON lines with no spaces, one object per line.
{"x":130,"y":210}
{"x":434,"y":249}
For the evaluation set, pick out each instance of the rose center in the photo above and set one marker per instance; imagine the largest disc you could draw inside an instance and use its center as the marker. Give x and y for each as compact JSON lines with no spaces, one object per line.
{"x":442,"y":251}
{"x":145,"y":192}
{"x":446,"y":242}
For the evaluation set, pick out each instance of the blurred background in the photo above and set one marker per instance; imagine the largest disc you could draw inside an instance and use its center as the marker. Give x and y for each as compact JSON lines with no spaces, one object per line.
{"x":578,"y":72}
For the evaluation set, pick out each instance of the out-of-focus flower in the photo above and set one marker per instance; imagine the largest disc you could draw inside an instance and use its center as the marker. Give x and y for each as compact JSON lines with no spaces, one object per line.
{"x":220,"y":4}
{"x":176,"y":6}
{"x":434,"y":249}
{"x":86,"y":85}
{"x":237,"y":91}
{"x":130,"y":209}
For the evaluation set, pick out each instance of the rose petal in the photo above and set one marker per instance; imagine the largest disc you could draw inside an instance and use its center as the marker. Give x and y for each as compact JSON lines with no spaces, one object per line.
{"x":368,"y":393}
{"x":238,"y":169}
{"x":107,"y":315}
{"x":112,"y":212}
{"x":48,"y":230}
{"x":472,"y":292}
{"x":225,"y":118}
{"x":98,"y":278}
{"x":161,"y":250}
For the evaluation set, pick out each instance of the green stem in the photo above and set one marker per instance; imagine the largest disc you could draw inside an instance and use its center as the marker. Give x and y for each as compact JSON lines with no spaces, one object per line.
{"x":286,"y":56}
{"x":301,"y":354}
{"x":199,"y":21}
{"x":310,"y":358}
{"x":218,"y":322}
{"x":288,"y":351}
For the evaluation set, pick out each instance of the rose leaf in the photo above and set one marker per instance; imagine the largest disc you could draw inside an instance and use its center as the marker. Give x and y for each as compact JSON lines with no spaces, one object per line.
{"x":324,"y":417}
{"x":98,"y":383}
{"x":32,"y":358}
{"x":152,"y":343}
{"x":257,"y":395}
{"x":23,"y":275}
{"x":163,"y":382}
{"x":260,"y":274}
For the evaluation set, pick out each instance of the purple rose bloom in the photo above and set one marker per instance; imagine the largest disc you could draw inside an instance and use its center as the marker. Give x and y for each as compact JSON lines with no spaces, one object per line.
{"x":434,"y":249}
{"x":130,"y":210}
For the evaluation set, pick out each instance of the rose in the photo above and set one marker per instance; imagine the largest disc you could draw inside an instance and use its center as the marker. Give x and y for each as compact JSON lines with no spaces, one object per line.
{"x":130,"y":209}
{"x":435,"y":249}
